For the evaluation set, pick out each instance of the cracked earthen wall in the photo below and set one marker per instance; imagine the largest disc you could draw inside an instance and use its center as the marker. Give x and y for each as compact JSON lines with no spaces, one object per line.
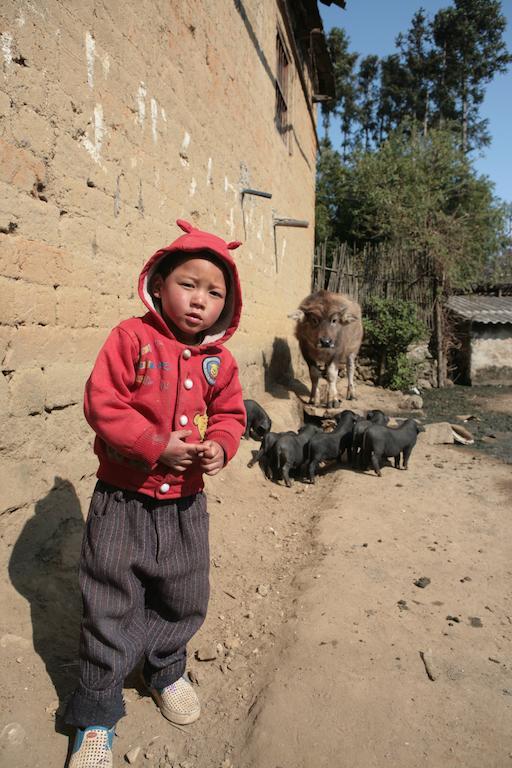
{"x":116,"y":119}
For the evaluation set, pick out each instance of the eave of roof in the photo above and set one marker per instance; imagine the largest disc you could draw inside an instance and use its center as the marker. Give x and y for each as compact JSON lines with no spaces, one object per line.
{"x":482,"y":309}
{"x":308,"y":16}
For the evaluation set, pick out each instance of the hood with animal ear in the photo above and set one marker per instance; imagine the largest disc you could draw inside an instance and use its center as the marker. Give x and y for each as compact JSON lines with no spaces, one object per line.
{"x":196,"y":241}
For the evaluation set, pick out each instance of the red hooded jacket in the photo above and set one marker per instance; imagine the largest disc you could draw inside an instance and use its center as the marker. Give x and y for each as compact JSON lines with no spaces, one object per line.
{"x":146,"y":384}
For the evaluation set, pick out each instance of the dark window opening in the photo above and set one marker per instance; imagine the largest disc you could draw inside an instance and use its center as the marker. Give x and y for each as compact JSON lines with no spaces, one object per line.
{"x":282,"y":88}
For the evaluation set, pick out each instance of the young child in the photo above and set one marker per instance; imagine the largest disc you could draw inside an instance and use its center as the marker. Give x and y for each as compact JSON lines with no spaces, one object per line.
{"x":166,"y":404}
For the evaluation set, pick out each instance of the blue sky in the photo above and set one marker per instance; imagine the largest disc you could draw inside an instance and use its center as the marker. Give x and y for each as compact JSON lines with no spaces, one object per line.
{"x":372,"y":26}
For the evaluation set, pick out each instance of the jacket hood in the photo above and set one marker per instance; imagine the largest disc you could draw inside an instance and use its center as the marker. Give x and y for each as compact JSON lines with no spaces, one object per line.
{"x":193,"y":241}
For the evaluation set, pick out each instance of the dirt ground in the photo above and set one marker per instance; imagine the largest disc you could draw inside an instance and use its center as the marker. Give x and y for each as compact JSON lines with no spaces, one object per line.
{"x":316,"y":646}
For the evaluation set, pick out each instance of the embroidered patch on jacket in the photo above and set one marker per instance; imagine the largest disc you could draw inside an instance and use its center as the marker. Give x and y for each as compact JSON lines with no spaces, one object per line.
{"x":143,"y":377}
{"x":145,"y":364}
{"x":211,"y":367}
{"x":201,"y":422}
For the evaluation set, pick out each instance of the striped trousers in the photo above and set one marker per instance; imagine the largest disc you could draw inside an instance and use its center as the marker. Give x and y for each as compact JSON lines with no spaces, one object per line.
{"x":144,"y":581}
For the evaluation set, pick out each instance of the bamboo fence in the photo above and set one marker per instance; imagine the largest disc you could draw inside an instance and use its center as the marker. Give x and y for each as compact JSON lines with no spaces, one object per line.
{"x":377,"y":272}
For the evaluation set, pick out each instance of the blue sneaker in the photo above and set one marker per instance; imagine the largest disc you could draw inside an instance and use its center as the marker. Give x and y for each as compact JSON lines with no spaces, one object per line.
{"x":92,"y":747}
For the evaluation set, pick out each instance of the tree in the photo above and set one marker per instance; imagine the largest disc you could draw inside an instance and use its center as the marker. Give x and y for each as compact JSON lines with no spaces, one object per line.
{"x":437,"y":77}
{"x":470,"y":51}
{"x":499,"y":264}
{"x":409,"y":124}
{"x":420,"y":194}
{"x":394,"y":81}
{"x":368,"y":93}
{"x":416,"y":70}
{"x":330,"y":193}
{"x":343,"y":105}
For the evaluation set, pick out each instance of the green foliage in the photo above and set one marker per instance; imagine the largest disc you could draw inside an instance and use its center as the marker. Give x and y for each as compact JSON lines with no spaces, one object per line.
{"x":417,"y":193}
{"x":436,"y":78}
{"x":344,"y":78}
{"x":409,"y":121}
{"x":331,"y":183}
{"x":499,"y":265}
{"x":468,"y":51}
{"x":401,"y":372}
{"x":390,"y":326}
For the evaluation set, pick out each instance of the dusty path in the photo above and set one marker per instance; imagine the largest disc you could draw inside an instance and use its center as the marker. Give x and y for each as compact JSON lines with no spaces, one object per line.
{"x":351,"y":688}
{"x":310,"y":658}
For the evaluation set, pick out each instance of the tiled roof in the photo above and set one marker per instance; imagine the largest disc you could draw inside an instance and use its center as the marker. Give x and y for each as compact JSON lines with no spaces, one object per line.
{"x":482,"y":309}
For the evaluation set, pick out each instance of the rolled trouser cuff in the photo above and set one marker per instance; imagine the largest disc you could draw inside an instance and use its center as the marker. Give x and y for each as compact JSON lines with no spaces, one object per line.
{"x":163,"y":677}
{"x":88,"y":707}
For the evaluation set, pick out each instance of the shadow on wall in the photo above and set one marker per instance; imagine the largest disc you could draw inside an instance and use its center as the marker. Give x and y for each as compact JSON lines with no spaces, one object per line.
{"x":44,"y":569}
{"x":279,"y":370}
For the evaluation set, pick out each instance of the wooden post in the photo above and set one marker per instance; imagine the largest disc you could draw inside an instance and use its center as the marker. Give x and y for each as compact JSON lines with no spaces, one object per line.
{"x":438,"y":324}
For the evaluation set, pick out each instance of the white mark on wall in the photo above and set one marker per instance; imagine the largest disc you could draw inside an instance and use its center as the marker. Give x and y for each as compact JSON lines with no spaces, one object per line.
{"x":6,"y":43}
{"x":35,"y":10}
{"x":229,"y":187}
{"x":105,"y":63}
{"x":193,"y":187}
{"x":283,"y":251}
{"x":141,"y":103}
{"x":184,"y":149}
{"x":94,"y":149}
{"x":259,"y":233}
{"x":163,"y":115}
{"x":90,"y":46}
{"x":230,"y":221}
{"x":154,"y":118}
{"x":20,"y":21}
{"x":209,"y":179}
{"x":133,"y":162}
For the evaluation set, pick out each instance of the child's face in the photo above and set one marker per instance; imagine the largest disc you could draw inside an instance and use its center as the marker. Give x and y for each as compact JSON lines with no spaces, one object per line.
{"x":192,"y":297}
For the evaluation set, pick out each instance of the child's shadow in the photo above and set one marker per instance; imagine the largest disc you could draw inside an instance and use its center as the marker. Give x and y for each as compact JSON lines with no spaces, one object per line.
{"x":44,"y":569}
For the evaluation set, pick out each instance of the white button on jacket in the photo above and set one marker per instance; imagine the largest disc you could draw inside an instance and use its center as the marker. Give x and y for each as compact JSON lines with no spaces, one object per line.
{"x":183,"y":420}
{"x":164,"y":487}
{"x":188,"y":383}
{"x":187,"y":353}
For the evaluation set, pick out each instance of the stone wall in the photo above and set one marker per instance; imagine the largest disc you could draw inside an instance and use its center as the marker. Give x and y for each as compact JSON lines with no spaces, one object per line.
{"x":116,"y":119}
{"x":367,"y":364}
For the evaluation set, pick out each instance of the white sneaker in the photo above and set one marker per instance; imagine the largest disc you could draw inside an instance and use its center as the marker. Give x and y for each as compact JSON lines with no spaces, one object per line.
{"x":92,"y":747}
{"x":178,"y":702}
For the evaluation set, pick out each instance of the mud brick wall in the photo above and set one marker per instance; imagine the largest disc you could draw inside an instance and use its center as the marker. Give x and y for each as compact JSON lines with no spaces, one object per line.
{"x":116,"y":119}
{"x":491,"y":353}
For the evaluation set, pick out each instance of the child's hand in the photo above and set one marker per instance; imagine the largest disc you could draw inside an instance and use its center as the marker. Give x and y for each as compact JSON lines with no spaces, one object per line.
{"x":178,"y":454}
{"x":212,"y":457}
